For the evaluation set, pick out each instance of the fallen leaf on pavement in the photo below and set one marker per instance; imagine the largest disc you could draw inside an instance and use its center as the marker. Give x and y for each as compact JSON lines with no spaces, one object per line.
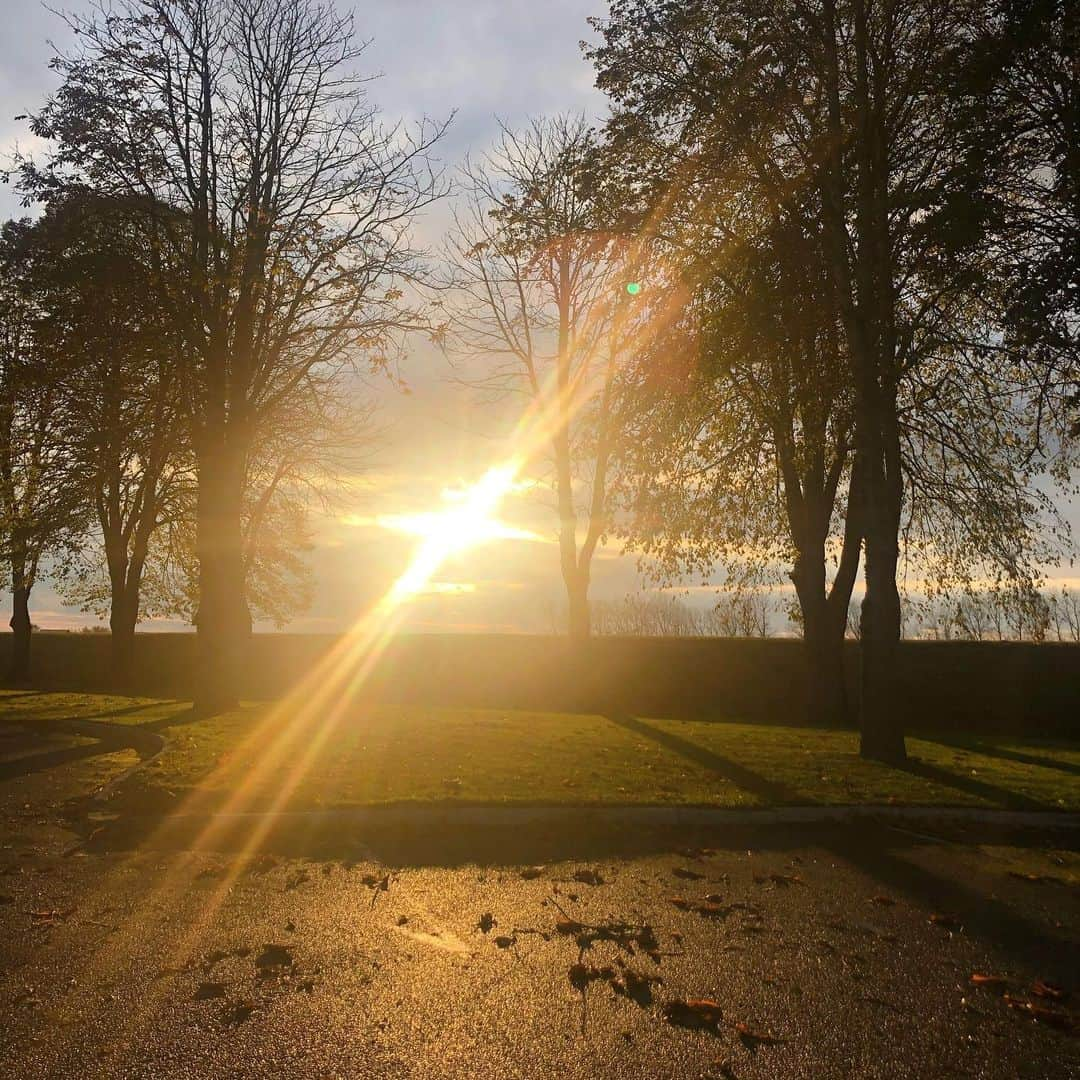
{"x":753,"y":1039}
{"x":504,"y":942}
{"x":1051,"y":991}
{"x":1042,"y":1014}
{"x":207,"y":990}
{"x":580,"y":975}
{"x":946,"y":922}
{"x":274,"y":956}
{"x":884,"y":901}
{"x":635,"y":986}
{"x":699,"y":1013}
{"x":1036,"y":879}
{"x":991,"y":982}
{"x":686,"y":873}
{"x":588,"y":877}
{"x":486,"y":922}
{"x":532,"y":872}
{"x":777,"y":879}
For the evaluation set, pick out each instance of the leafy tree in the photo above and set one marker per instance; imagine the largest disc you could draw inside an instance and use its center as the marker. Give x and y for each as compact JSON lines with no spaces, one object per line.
{"x":116,"y":357}
{"x":852,"y":108}
{"x":42,"y":493}
{"x":287,"y":226}
{"x":741,"y":450}
{"x":1022,"y":91}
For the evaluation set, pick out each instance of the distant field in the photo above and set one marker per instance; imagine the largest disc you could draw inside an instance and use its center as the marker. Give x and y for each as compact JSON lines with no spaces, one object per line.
{"x":259,"y":756}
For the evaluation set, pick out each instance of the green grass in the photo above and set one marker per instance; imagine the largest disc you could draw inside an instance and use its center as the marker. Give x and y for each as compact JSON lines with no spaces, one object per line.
{"x":386,"y":754}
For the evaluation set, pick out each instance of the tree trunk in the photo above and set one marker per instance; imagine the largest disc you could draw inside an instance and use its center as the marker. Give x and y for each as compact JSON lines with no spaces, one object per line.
{"x":826,"y":685}
{"x":123,"y":616}
{"x":579,"y":622}
{"x":223,"y":620}
{"x":882,"y":723}
{"x":21,"y":627}
{"x":823,"y":643}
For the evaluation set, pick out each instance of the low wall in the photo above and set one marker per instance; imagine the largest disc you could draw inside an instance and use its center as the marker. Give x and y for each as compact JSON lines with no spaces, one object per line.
{"x":942,"y":686}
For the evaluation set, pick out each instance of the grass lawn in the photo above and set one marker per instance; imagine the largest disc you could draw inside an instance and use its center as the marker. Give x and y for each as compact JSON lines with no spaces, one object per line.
{"x":384,"y":754}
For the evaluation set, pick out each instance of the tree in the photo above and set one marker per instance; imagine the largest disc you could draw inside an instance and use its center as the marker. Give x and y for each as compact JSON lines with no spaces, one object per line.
{"x":855,"y":104}
{"x":42,"y":501}
{"x":116,"y":357}
{"x":1022,"y":89}
{"x":541,"y":302}
{"x":306,"y":459}
{"x":287,"y":225}
{"x":741,"y":451}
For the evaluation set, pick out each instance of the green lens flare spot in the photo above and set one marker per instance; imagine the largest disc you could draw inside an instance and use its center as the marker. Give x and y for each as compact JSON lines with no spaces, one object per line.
{"x":633,"y":288}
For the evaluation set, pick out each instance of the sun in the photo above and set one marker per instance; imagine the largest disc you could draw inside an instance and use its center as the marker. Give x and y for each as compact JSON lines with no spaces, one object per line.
{"x":466,"y":523}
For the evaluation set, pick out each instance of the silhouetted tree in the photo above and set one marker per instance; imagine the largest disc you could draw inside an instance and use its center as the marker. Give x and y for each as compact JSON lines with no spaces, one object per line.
{"x":288,"y":213}
{"x":1021,"y":88}
{"x":740,"y":446}
{"x":853,"y":108}
{"x":43,"y":498}
{"x":117,"y":359}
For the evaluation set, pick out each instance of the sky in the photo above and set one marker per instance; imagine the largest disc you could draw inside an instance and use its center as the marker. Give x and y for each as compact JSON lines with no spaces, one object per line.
{"x":487,"y":61}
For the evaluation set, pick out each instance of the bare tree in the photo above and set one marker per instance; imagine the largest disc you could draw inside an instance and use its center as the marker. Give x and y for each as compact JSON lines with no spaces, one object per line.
{"x":1066,"y":608}
{"x":740,"y":613}
{"x":547,"y":304}
{"x":289,"y":213}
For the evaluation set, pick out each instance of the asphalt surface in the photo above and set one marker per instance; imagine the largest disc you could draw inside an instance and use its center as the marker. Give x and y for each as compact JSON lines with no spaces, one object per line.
{"x":828,"y":952}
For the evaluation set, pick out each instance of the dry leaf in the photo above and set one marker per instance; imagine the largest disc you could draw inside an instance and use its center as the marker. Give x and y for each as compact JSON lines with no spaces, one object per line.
{"x":753,"y":1039}
{"x":991,"y":982}
{"x":1039,"y":1012}
{"x":699,"y":1013}
{"x":946,"y":922}
{"x":1050,"y":991}
{"x":580,"y":975}
{"x":778,"y":879}
{"x":588,"y":877}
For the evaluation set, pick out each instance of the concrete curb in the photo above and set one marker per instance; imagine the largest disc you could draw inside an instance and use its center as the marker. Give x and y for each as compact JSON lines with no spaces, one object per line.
{"x":424,"y":817}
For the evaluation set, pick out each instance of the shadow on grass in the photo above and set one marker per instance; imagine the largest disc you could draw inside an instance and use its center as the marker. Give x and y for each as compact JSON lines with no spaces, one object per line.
{"x":754,"y":783}
{"x":52,"y":759}
{"x":1004,"y":753}
{"x":1010,"y":800}
{"x":104,"y":716}
{"x":6,"y":697}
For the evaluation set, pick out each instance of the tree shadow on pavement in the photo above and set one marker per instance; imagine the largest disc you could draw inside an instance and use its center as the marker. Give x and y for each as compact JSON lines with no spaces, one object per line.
{"x":872,"y":849}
